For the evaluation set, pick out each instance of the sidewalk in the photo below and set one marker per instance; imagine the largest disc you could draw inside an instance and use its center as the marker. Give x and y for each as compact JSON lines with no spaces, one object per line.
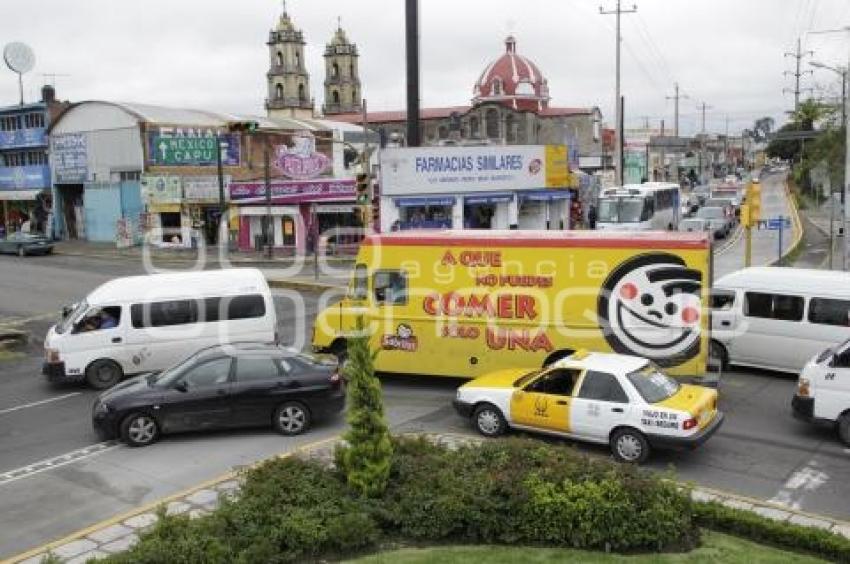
{"x":819,"y":218}
{"x":122,"y":532}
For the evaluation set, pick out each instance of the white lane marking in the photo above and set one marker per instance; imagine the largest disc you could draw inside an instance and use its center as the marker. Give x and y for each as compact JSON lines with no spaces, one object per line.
{"x":807,"y":479}
{"x":57,"y":461}
{"x":37,"y":403}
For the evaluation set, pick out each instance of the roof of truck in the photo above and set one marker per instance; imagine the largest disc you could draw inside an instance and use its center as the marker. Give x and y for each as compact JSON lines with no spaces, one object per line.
{"x":529,"y":238}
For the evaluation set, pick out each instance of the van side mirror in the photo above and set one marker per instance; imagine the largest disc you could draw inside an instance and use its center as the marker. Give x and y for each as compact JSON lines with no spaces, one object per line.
{"x":67,"y":309}
{"x":181,"y":386}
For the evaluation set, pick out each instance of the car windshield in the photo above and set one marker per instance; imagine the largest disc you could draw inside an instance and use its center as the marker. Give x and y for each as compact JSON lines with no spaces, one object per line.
{"x":526,"y":378}
{"x":653,"y":385}
{"x":68,"y":321}
{"x":620,"y":210}
{"x":711,"y":213}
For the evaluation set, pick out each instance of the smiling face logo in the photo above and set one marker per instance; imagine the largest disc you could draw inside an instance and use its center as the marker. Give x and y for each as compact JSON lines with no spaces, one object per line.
{"x":650,"y":306}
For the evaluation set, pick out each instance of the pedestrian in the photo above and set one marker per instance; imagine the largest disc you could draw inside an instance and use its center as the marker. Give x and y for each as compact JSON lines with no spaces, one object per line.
{"x":591,"y":216}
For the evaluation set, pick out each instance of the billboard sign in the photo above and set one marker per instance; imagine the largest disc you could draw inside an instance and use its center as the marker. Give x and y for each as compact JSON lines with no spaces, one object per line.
{"x":192,"y":148}
{"x":158,"y":189}
{"x":418,"y":170}
{"x":24,"y":177}
{"x":23,"y":138}
{"x":293,"y":192}
{"x":69,"y":156}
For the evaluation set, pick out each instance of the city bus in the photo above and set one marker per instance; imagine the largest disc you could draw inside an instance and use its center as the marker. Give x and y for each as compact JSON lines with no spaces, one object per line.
{"x":639,"y":207}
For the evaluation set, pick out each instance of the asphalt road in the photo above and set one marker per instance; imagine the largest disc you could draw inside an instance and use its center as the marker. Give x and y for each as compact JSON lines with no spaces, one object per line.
{"x":56,"y":477}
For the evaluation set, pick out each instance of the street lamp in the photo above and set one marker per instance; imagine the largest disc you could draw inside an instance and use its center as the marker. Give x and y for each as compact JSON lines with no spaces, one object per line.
{"x":842,"y":72}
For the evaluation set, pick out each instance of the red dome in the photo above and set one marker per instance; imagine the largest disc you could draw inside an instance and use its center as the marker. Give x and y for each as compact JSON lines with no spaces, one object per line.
{"x":514,"y":81}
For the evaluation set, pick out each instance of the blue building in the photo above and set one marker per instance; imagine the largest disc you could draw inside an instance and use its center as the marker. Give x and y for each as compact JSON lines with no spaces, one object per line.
{"x":25,"y":183}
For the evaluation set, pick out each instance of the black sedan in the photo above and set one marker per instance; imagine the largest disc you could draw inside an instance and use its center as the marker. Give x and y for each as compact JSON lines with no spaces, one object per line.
{"x":223,"y":387}
{"x":23,"y":244}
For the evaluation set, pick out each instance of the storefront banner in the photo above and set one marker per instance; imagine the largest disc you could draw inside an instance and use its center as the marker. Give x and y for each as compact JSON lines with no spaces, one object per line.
{"x":21,"y":138}
{"x":488,"y":199}
{"x":544,"y":195}
{"x":68,"y":153}
{"x":293,"y":192}
{"x":437,"y":201}
{"x":196,"y":149}
{"x":301,"y":160}
{"x":203,"y":189}
{"x":24,"y":177}
{"x":157,"y":190}
{"x":417,"y":170}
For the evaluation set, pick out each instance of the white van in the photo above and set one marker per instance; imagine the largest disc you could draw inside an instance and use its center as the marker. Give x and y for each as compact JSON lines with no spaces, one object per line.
{"x":823,"y":390}
{"x":148,"y":323}
{"x":778,"y":318}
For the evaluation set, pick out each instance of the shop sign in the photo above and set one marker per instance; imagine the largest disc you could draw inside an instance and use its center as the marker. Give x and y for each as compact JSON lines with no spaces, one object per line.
{"x":68,"y":153}
{"x":170,"y":147}
{"x":24,"y":177}
{"x":161,"y":189}
{"x":21,"y":138}
{"x":301,"y":161}
{"x":203,"y":189}
{"x":291,"y":192}
{"x":417,"y":170}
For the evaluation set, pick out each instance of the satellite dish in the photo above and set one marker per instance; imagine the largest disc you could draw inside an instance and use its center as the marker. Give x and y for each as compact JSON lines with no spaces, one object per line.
{"x":19,"y":57}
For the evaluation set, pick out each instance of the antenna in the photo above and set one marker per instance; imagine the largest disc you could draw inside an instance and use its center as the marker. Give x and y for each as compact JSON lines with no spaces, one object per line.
{"x":20,"y":59}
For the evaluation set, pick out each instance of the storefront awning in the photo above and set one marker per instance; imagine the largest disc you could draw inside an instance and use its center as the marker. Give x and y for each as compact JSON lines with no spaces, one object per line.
{"x":19,"y":195}
{"x":492,"y":198}
{"x":544,"y":195}
{"x":432,"y":201}
{"x":164,"y":208}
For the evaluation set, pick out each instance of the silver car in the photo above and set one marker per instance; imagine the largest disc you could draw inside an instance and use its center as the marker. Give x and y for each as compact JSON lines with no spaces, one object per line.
{"x":717,"y":219}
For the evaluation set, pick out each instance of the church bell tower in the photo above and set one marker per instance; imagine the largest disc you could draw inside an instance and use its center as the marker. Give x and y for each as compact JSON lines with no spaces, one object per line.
{"x":342,"y":76}
{"x":288,"y":80}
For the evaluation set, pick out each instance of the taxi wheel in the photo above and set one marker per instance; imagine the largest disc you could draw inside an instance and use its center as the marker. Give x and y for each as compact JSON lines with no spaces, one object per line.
{"x":630,"y":446}
{"x":844,"y":428}
{"x":489,"y":421}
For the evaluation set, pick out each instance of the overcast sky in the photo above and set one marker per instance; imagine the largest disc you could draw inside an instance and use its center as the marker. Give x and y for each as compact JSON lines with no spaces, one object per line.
{"x":212,"y":54}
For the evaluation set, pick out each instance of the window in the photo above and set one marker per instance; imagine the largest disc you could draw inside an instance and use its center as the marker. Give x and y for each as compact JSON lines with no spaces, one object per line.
{"x":335,"y":71}
{"x":33,"y":120}
{"x":497,"y":87}
{"x":603,"y":387}
{"x":98,"y":319}
{"x":278,"y":92}
{"x":246,"y":307}
{"x":297,"y":60}
{"x":254,"y":369}
{"x":129,"y":175}
{"x":559,"y":382}
{"x":36,"y":158}
{"x":652,"y":385}
{"x":359,"y":289}
{"x":335,"y":97}
{"x":842,"y":359}
{"x":773,"y":306}
{"x":491,"y":120}
{"x":279,"y":59}
{"x":163,"y":314}
{"x":390,"y":287}
{"x":209,"y":373}
{"x":829,"y":312}
{"x":473,"y":126}
{"x":722,"y":300}
{"x":302,"y":93}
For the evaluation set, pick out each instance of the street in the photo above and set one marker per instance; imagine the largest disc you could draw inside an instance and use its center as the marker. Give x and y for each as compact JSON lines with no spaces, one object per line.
{"x":56,"y":477}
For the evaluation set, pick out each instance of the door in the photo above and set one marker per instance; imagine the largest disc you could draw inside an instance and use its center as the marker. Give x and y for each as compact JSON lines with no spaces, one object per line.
{"x":260,"y":385}
{"x":724,"y":307}
{"x":199,"y":398}
{"x":769,"y":330}
{"x":545,"y":402}
{"x":600,"y":405}
{"x":98,"y":334}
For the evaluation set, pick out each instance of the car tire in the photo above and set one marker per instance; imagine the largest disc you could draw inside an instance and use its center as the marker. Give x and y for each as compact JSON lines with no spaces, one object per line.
{"x":629,"y":446}
{"x":843,"y":428}
{"x":103,"y":374}
{"x":488,"y":420}
{"x":139,"y":429}
{"x":291,"y":418}
{"x":718,"y":351}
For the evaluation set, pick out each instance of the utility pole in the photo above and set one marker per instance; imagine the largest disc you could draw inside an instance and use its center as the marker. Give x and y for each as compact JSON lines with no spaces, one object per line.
{"x":367,"y":209}
{"x":798,"y":56}
{"x":268,"y":225}
{"x":618,"y":157}
{"x":675,"y":97}
{"x":222,"y":208}
{"x":702,"y":107}
{"x":411,"y":13}
{"x":663,"y":155}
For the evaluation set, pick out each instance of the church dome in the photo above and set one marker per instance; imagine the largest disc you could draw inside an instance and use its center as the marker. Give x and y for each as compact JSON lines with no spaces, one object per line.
{"x":512,"y":80}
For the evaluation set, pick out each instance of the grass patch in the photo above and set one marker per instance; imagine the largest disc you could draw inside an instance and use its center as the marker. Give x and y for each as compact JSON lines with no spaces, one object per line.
{"x":6,"y":354}
{"x":716,"y":547}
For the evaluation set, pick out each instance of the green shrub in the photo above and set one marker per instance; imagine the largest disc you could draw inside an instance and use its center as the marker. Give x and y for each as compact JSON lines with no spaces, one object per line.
{"x":366,"y":456}
{"x":713,"y":515}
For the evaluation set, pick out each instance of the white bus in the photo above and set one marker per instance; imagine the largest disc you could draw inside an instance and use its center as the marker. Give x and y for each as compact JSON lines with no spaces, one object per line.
{"x":639,"y":207}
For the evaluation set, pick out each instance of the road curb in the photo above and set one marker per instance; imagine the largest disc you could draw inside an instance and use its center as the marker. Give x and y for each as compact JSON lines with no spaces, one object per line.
{"x":166,"y":258}
{"x":797,"y":225}
{"x":42,"y":550}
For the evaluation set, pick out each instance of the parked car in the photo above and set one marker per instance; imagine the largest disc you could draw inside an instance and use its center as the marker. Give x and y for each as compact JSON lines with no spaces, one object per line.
{"x":619,"y":400}
{"x":718,"y":219}
{"x":145,"y":323}
{"x":23,"y":244}
{"x":778,"y":318}
{"x":695,"y":224}
{"x":223,"y":387}
{"x":823,"y":391}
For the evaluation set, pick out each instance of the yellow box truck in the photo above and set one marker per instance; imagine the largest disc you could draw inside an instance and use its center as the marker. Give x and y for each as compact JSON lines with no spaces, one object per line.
{"x":464,"y":303}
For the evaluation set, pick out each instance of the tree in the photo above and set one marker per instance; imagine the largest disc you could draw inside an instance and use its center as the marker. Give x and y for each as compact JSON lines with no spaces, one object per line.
{"x":366,"y":456}
{"x":762,"y":128}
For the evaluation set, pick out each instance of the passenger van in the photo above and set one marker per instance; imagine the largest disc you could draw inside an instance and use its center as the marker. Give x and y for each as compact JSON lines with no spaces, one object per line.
{"x":778,"y":318}
{"x":463,"y":303}
{"x":823,"y":391}
{"x":148,"y":323}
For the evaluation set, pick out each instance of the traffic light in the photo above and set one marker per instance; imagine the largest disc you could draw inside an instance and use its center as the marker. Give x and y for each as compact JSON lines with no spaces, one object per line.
{"x":376,"y":207}
{"x":754,"y":201}
{"x":362,"y":188}
{"x":248,"y":126}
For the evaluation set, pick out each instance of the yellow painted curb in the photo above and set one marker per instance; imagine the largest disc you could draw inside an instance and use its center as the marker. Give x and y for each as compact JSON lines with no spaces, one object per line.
{"x":230,"y":475}
{"x":795,"y":220}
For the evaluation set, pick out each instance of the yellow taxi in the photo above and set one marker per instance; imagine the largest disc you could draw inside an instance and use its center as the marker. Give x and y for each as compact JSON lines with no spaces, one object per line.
{"x":620,"y":400}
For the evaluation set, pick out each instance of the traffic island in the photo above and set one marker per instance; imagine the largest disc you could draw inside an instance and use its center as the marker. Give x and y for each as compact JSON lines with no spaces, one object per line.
{"x":445,"y":488}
